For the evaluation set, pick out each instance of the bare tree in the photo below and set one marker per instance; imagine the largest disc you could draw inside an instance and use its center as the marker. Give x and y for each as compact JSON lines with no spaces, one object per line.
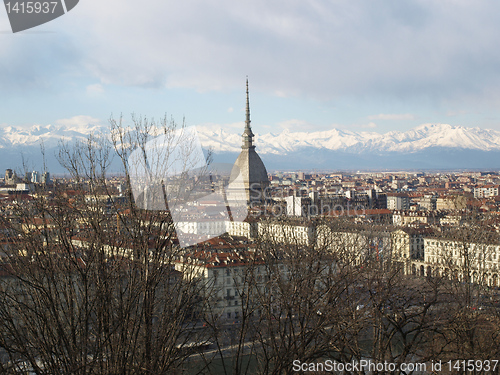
{"x":91,"y":285}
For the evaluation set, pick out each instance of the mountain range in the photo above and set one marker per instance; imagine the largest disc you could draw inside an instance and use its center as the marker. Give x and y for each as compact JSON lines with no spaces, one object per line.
{"x":428,"y":146}
{"x":417,"y":139}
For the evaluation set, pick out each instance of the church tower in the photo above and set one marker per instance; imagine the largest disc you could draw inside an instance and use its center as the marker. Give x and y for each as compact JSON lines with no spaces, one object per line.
{"x":249,"y":164}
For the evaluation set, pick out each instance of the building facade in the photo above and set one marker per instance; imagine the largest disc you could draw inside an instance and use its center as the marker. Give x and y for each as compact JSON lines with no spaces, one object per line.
{"x":398,"y":202}
{"x":226,"y":280}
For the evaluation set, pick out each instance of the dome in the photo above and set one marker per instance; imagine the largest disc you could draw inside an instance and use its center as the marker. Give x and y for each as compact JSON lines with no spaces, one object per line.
{"x":250,"y":165}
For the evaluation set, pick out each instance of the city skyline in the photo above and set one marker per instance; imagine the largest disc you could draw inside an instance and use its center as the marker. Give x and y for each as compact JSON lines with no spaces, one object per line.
{"x":159,"y":218}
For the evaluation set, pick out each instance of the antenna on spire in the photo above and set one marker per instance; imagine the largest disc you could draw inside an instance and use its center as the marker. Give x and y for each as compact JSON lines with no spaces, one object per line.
{"x":247,"y":121}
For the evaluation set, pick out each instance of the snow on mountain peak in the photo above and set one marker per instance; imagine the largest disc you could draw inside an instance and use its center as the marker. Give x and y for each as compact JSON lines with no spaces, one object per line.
{"x":413,"y":140}
{"x":416,"y":139}
{"x":49,"y":134}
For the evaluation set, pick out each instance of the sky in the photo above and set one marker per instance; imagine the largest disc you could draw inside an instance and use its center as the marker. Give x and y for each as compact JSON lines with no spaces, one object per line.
{"x":312,"y":64}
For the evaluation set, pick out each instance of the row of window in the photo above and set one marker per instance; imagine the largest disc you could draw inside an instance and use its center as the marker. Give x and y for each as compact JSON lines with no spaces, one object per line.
{"x":230,"y":315}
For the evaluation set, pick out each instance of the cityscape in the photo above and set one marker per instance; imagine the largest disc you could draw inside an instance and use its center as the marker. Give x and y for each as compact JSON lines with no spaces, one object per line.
{"x":253,"y":272}
{"x":249,"y":187}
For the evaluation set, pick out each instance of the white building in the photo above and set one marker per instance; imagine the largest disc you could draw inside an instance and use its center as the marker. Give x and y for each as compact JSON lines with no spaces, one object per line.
{"x":25,"y":187}
{"x":408,"y":247}
{"x":473,"y":262}
{"x":246,"y":229}
{"x":404,"y":218}
{"x":355,"y":246}
{"x":300,"y":206}
{"x":35,"y":177}
{"x":287,"y":233}
{"x":225,"y":279}
{"x":398,"y":202}
{"x":208,"y":227}
{"x":46,"y":178}
{"x":486,"y":191}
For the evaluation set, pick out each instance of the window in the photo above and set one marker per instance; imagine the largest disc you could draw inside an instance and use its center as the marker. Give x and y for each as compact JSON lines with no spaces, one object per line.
{"x":229,"y":315}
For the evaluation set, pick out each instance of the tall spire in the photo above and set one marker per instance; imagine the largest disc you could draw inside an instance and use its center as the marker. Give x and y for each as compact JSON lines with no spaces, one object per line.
{"x":247,"y":121}
{"x":247,"y":136}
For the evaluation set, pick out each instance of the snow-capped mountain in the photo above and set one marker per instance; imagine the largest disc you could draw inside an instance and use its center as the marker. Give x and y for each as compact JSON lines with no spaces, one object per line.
{"x":50,"y":135}
{"x":417,"y":139}
{"x":428,"y":146}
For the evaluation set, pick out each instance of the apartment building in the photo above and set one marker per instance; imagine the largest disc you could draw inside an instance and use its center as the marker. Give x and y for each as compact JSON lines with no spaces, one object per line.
{"x":398,"y":202}
{"x":486,"y":191}
{"x":469,"y":262}
{"x":299,"y":233}
{"x":226,"y":280}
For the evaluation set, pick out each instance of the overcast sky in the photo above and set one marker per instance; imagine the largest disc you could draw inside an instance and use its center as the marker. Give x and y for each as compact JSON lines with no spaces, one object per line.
{"x":312,"y":64}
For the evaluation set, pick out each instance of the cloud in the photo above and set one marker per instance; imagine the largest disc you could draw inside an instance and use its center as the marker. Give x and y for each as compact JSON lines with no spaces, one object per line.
{"x":295,"y":125}
{"x":82,"y":123}
{"x":319,"y":48}
{"x":28,"y":61}
{"x":370,"y":125}
{"x":455,"y":113}
{"x":208,"y":127}
{"x":398,"y":117}
{"x":316,"y":48}
{"x":95,"y":89}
